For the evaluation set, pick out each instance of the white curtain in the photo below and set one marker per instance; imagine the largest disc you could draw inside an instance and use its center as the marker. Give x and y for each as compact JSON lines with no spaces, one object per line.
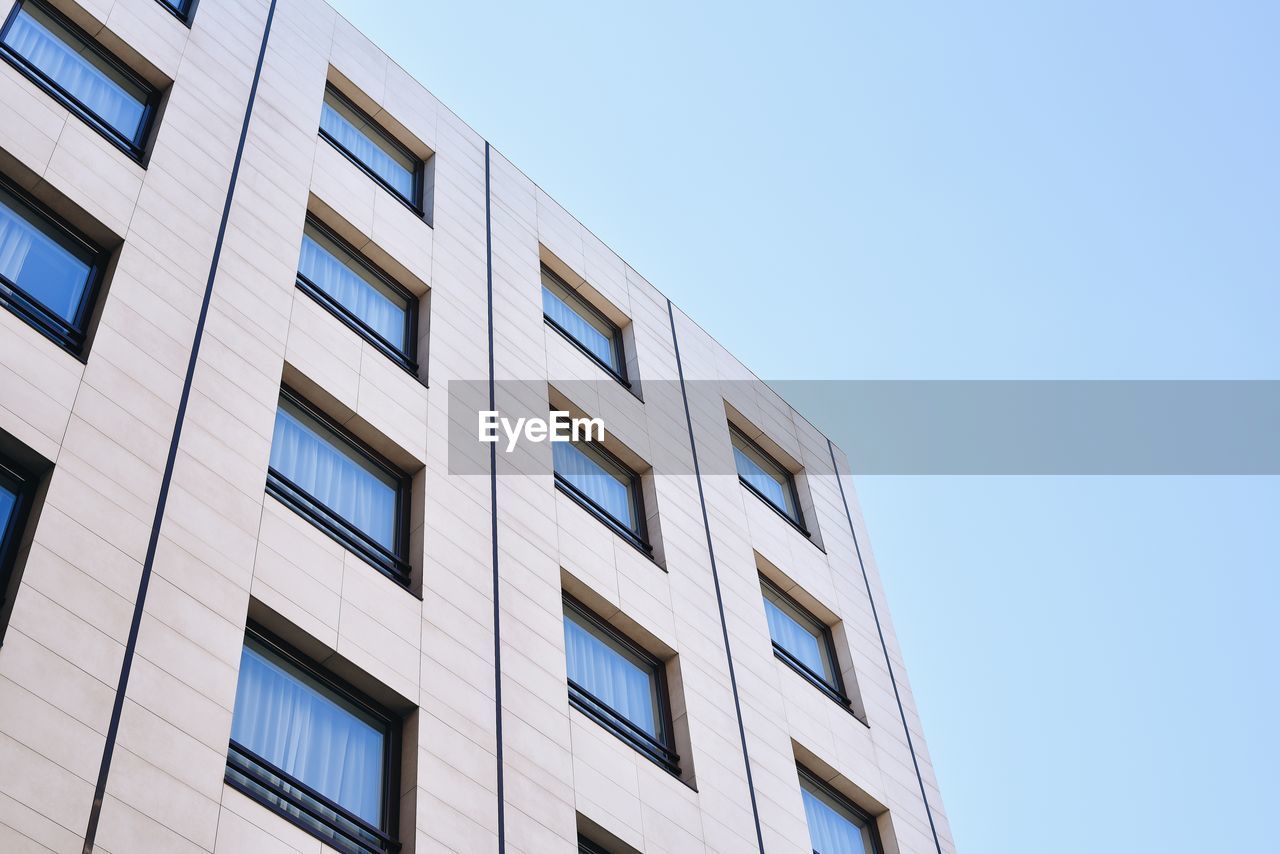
{"x":767,"y":484}
{"x":609,"y":676}
{"x":795,"y":638}
{"x":308,"y":735}
{"x":46,"y":271}
{"x":367,"y":151}
{"x":578,"y":328}
{"x":330,"y":475}
{"x":829,"y":831}
{"x":599,"y":485}
{"x":357,"y":295}
{"x":61,"y":62}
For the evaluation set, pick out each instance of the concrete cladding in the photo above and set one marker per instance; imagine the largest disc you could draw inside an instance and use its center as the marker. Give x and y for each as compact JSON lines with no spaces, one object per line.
{"x":253,"y":602}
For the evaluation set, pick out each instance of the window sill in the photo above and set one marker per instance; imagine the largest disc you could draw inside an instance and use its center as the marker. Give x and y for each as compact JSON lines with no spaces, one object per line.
{"x":33,"y":314}
{"x":781,"y":513}
{"x":293,"y":497}
{"x":813,"y":679}
{"x":617,"y":376}
{"x":358,"y":326}
{"x":629,"y":536}
{"x":416,"y":208}
{"x":644,"y":744}
{"x":183,"y":17}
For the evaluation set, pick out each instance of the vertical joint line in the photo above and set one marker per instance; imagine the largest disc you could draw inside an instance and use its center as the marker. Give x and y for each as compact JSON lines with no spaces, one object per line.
{"x":131,"y":644}
{"x":715,"y":579}
{"x":493,"y":505}
{"x":875,"y":613}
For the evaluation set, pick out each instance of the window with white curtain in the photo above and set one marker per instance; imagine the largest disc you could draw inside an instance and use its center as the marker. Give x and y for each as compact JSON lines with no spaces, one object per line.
{"x":340,"y":484}
{"x":802,"y":641}
{"x":48,"y":273}
{"x":835,"y":825}
{"x":576,"y":319}
{"x":63,"y":60}
{"x":765,"y":476}
{"x":359,"y":293}
{"x":371,"y":148}
{"x":618,"y":684}
{"x":313,"y":749}
{"x":603,"y":485}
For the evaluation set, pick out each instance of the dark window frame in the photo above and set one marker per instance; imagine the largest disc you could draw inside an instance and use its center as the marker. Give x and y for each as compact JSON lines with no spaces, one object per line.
{"x":416,"y":204}
{"x":394,"y":565}
{"x":242,"y":761}
{"x":798,"y":521}
{"x":637,"y":538}
{"x":407,"y":358}
{"x":586,"y":846}
{"x":619,"y":373}
{"x":834,"y":688}
{"x":136,"y":147}
{"x":185,"y":13}
{"x":805,"y":775}
{"x":71,"y":337}
{"x":660,"y":751}
{"x":23,"y":484}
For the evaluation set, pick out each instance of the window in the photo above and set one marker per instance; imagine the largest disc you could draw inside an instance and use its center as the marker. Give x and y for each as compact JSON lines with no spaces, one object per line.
{"x":344,"y":487}
{"x":181,"y":9}
{"x":835,"y":825}
{"x":604,"y":486}
{"x":802,"y":641}
{"x":766,"y":477}
{"x":619,"y":685}
{"x":360,"y":294}
{"x":64,"y":61}
{"x":588,"y":329}
{"x":49,"y":274}
{"x":16,"y":489}
{"x":586,"y":846}
{"x":315,"y":751}
{"x":371,"y":148}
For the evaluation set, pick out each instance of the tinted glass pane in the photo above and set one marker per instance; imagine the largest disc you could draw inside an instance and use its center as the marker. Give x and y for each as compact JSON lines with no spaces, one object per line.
{"x":334,"y":474}
{"x":8,"y":501}
{"x":769,"y":478}
{"x":309,"y":732}
{"x":48,"y":268}
{"x":333,"y":270}
{"x":568,"y":312}
{"x":69,"y":62}
{"x":604,"y":482}
{"x":369,"y":145}
{"x":611,"y":673}
{"x":833,"y":828}
{"x":794,"y":632}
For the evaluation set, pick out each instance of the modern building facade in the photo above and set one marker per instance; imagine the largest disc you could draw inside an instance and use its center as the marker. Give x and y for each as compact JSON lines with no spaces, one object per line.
{"x":250,"y":601}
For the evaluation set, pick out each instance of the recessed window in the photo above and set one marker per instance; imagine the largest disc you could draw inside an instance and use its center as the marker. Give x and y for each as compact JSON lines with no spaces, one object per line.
{"x":49,"y":274}
{"x":371,"y":148}
{"x":584,"y":326}
{"x":618,"y":684}
{"x":360,"y":294}
{"x":181,"y":9}
{"x":16,"y":492}
{"x":766,"y":477}
{"x":802,"y":641}
{"x":836,"y":826}
{"x":604,"y":486}
{"x":341,"y":485}
{"x":313,"y":749}
{"x":64,"y":61}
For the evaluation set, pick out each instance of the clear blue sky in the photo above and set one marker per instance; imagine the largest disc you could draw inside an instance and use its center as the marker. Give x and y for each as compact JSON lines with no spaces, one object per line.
{"x":993,"y":190}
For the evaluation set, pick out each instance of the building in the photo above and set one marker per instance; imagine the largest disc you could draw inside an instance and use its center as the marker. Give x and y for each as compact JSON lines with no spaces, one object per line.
{"x":253,"y":601}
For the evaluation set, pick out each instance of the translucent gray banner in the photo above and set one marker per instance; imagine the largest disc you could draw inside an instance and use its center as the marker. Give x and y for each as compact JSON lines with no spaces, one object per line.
{"x":1069,"y":427}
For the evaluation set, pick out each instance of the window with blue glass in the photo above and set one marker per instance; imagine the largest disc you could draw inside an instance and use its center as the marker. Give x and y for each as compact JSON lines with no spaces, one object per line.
{"x":67,"y":63}
{"x":371,"y":148}
{"x":803,"y":641}
{"x":359,"y":293}
{"x":604,"y":486}
{"x":313,"y":749}
{"x":580,"y":322}
{"x":341,"y":485}
{"x":766,"y":477}
{"x":618,"y":684}
{"x":49,"y":274}
{"x":17,"y":488}
{"x":181,"y":9}
{"x":836,"y":826}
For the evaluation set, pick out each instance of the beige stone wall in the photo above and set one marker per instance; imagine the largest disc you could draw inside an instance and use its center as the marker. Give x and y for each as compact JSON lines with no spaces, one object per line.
{"x":227,"y":551}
